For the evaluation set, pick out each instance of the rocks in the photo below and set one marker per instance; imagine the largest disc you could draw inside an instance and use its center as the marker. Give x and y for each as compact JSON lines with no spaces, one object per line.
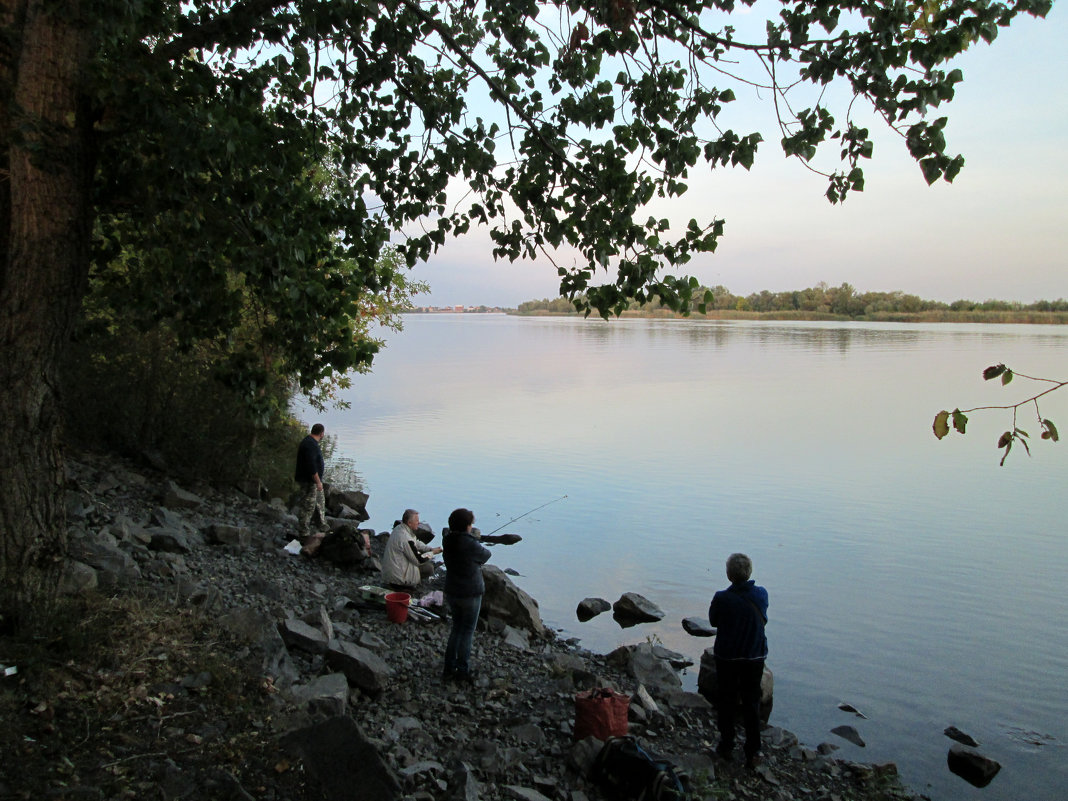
{"x":362,"y":700}
{"x":346,"y":765}
{"x":698,"y":627}
{"x":589,"y":608}
{"x":632,"y":608}
{"x":850,"y":734}
{"x":174,"y":497}
{"x":505,"y":601}
{"x":363,"y":668}
{"x":328,"y":694}
{"x":850,"y":708}
{"x":222,"y":534}
{"x":972,"y":766}
{"x":953,"y":733}
{"x":347,"y":504}
{"x":646,"y":666}
{"x":706,"y":684}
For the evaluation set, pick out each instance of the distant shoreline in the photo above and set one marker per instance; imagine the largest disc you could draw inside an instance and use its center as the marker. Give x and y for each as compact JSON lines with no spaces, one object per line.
{"x":934,"y":316}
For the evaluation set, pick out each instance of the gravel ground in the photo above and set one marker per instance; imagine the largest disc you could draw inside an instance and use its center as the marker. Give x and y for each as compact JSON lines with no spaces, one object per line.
{"x":171,"y":702}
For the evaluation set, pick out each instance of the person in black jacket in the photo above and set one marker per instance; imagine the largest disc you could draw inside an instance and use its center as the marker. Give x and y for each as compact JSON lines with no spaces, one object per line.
{"x":739,"y":614}
{"x":309,"y":474}
{"x":464,"y":556}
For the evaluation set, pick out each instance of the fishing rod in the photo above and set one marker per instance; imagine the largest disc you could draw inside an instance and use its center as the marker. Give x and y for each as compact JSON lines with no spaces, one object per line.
{"x":520,"y":517}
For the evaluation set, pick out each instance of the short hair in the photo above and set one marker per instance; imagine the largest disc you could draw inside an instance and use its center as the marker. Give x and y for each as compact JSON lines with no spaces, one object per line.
{"x":317,"y":429}
{"x":739,"y":567}
{"x":408,"y":515}
{"x":460,"y":519}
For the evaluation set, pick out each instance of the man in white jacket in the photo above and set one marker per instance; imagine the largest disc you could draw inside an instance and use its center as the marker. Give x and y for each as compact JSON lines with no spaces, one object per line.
{"x":407,"y":561}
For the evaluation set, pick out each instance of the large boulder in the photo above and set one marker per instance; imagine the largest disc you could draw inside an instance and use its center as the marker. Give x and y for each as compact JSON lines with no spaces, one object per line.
{"x":222,"y":534}
{"x":972,"y":766}
{"x":506,"y":602}
{"x":589,"y":608}
{"x":113,"y":565}
{"x":706,"y":684}
{"x":363,"y":668}
{"x":633,"y":608}
{"x":174,"y":497}
{"x":328,"y":694}
{"x":77,"y":578}
{"x":347,"y":504}
{"x":646,"y":665}
{"x":698,"y":627}
{"x":298,"y":634}
{"x":343,"y":762}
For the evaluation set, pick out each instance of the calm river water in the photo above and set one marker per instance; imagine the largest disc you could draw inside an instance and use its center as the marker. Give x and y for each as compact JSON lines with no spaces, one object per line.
{"x":914,"y":579}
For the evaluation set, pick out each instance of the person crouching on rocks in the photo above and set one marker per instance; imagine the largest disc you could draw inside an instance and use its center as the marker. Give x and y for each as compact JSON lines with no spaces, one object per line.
{"x":464,"y":586}
{"x":406,"y":561}
{"x":739,"y":614}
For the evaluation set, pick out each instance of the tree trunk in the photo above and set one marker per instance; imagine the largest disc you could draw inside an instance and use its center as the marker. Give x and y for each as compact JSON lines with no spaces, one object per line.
{"x":44,"y":135}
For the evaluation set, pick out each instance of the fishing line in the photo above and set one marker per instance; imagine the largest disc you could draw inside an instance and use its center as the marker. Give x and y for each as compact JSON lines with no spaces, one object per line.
{"x":520,"y":517}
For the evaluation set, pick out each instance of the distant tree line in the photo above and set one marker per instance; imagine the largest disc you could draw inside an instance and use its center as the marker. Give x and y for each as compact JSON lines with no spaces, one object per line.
{"x":837,"y":301}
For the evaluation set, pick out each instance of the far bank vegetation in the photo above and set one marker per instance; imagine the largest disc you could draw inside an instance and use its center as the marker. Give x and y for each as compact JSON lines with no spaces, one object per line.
{"x":823,"y":302}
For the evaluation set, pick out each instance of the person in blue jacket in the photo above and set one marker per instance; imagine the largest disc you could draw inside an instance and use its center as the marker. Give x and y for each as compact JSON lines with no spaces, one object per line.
{"x":739,"y":614}
{"x":464,"y":556}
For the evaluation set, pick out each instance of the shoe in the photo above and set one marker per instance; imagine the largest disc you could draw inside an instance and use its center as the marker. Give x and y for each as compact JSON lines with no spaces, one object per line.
{"x":724,"y":752}
{"x":464,"y":677}
{"x":751,"y":761}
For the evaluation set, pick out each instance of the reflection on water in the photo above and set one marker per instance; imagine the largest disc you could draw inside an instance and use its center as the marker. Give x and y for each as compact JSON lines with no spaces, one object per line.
{"x":909,"y":577}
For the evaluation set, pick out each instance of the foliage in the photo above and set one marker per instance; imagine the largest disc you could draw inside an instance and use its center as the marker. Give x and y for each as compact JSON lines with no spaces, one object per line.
{"x":842,"y":301}
{"x":138,"y":381}
{"x":959,"y":418}
{"x":277,"y":140}
{"x":243,"y":163}
{"x":140,"y":394}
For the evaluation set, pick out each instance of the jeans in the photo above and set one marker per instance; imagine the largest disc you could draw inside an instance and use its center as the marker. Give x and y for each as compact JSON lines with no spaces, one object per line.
{"x":739,"y":680}
{"x":464,"y":613}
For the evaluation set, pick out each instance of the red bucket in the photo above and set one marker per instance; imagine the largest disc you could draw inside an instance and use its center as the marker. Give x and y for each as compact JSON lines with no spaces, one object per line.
{"x":397,"y":606}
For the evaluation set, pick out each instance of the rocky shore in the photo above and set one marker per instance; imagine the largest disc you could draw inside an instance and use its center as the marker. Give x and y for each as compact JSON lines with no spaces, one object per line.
{"x":297,"y":686}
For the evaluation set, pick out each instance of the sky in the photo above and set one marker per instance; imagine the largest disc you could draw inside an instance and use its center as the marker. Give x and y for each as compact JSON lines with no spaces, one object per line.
{"x":1000,"y":230}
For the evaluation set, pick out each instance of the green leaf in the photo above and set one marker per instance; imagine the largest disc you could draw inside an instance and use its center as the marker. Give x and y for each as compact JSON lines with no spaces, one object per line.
{"x":993,"y":372}
{"x":941,"y":424}
{"x":960,"y":420}
{"x":1051,"y":431}
{"x":1005,"y":440}
{"x":1006,"y":377}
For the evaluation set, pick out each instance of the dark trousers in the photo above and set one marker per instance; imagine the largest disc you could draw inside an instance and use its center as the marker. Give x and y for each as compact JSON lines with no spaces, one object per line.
{"x":739,"y":679}
{"x":464,"y":613}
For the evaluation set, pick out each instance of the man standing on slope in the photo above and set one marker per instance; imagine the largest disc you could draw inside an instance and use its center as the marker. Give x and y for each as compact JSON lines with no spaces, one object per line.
{"x":309,"y":474}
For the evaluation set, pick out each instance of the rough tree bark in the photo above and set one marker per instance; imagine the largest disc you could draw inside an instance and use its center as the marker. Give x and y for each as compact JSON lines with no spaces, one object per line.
{"x":45,"y":207}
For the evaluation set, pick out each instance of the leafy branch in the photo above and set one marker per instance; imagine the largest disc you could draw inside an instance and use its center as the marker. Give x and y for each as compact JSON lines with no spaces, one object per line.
{"x":959,"y":417}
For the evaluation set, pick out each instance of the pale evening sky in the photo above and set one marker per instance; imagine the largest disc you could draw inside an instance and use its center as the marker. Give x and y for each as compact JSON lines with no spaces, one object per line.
{"x":1000,"y":230}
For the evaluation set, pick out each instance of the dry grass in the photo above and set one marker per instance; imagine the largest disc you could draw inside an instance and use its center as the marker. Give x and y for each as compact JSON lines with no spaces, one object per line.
{"x":118,"y":700}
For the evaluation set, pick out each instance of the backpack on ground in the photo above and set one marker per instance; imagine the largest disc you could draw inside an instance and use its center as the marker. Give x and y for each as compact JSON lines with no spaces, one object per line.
{"x":343,"y":546}
{"x":627,"y":771}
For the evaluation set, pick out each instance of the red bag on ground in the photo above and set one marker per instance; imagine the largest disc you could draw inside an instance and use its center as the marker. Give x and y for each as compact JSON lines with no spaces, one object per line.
{"x":600,"y":712}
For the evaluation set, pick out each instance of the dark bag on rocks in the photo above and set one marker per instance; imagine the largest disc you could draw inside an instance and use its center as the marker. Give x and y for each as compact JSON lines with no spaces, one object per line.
{"x":626,"y":771}
{"x":600,"y":712}
{"x":344,"y":546}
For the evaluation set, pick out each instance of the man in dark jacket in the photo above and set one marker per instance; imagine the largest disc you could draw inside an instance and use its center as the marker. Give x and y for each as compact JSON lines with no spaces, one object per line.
{"x":309,"y":474}
{"x":464,"y":556}
{"x":739,"y":614}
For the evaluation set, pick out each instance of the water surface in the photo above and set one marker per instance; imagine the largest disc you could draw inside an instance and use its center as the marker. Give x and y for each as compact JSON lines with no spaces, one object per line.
{"x":912,"y":578}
